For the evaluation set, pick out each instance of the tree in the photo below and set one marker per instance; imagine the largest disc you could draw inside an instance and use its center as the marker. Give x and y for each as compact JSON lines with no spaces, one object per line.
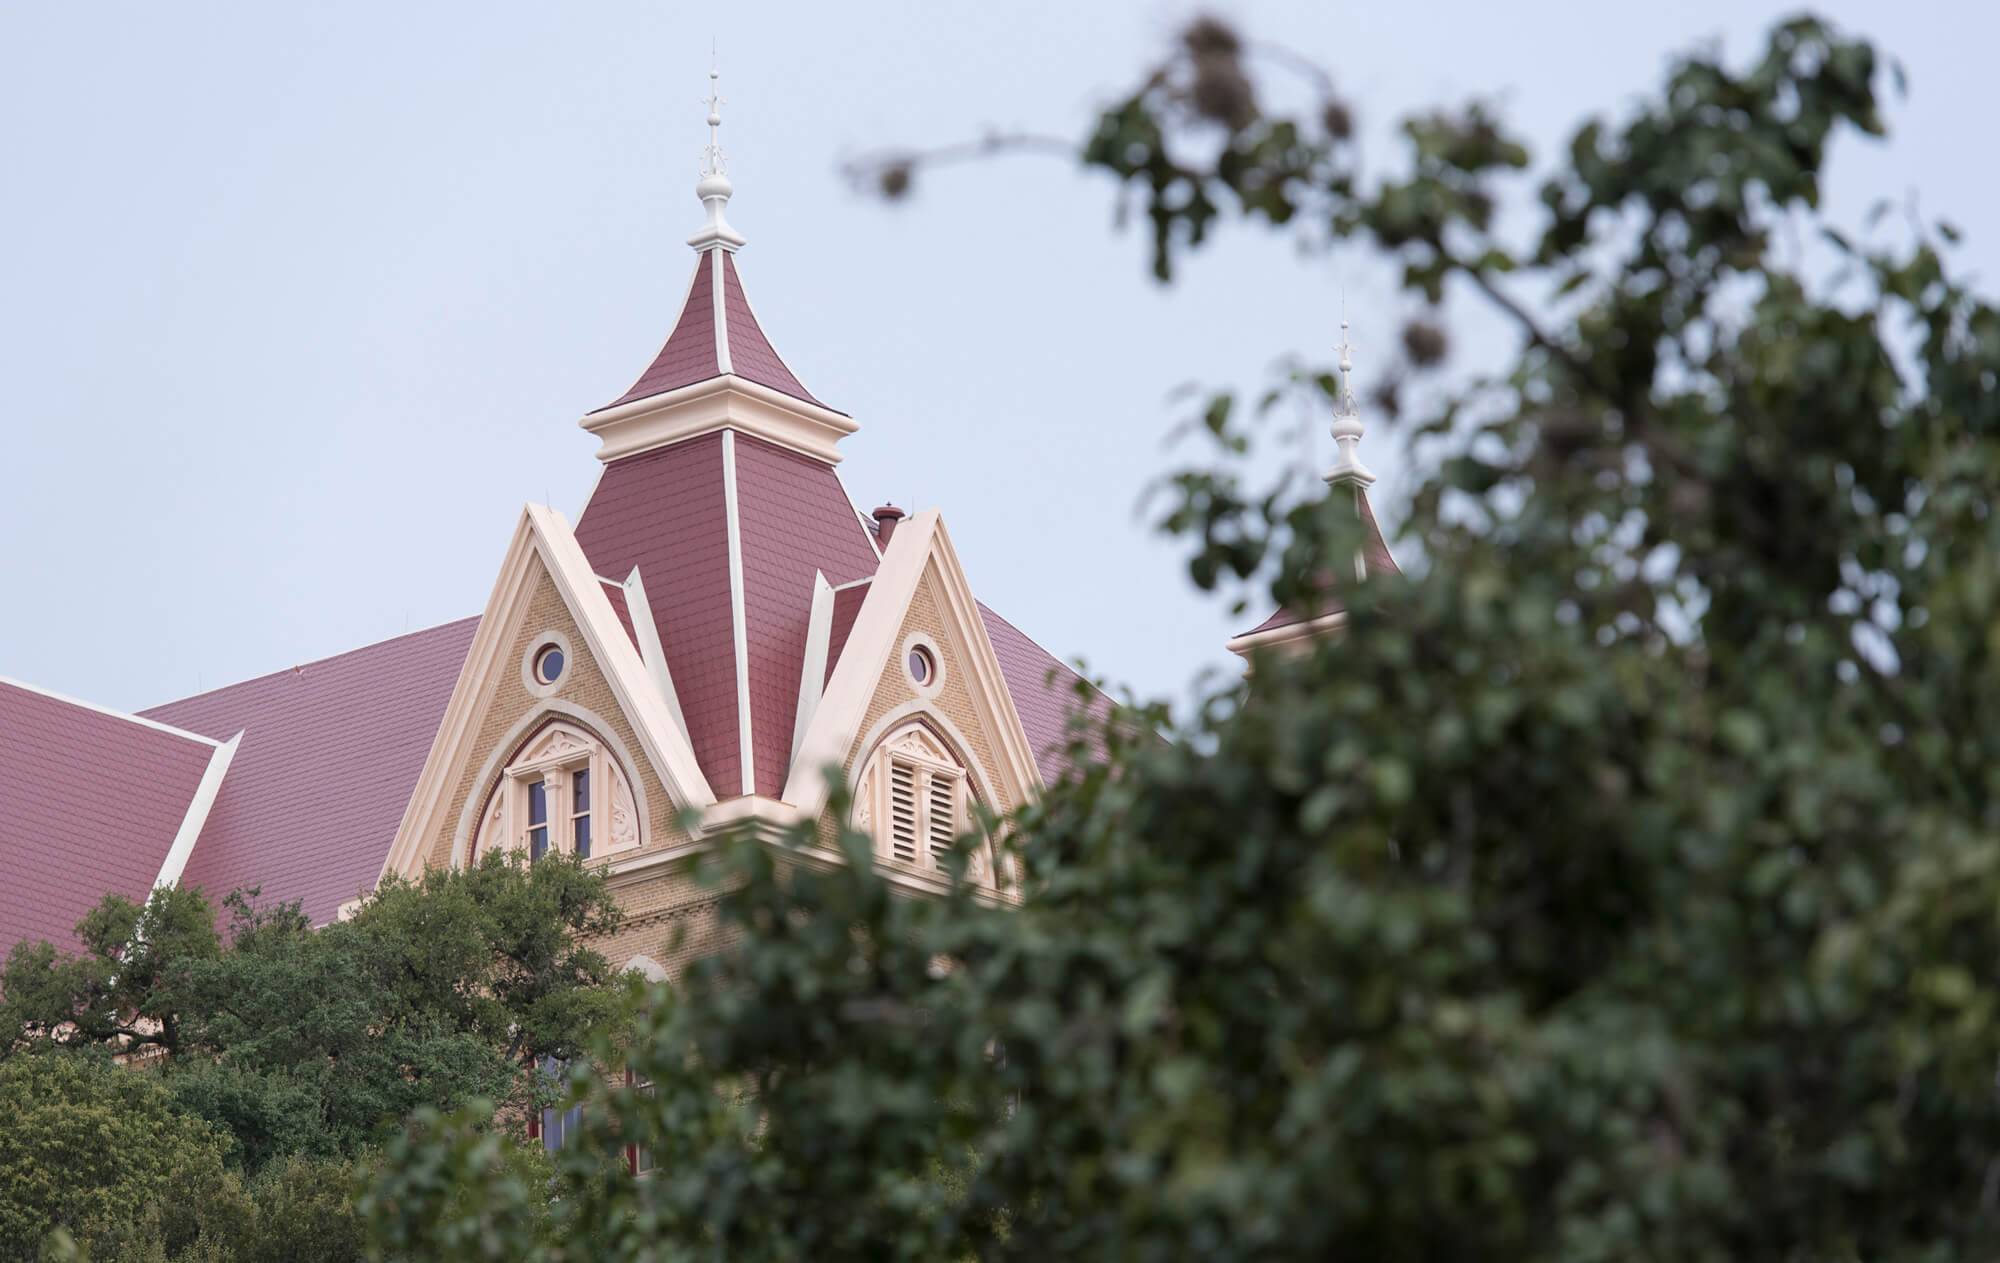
{"x":99,"y":1154}
{"x":304,"y":1041}
{"x":1627,"y":886}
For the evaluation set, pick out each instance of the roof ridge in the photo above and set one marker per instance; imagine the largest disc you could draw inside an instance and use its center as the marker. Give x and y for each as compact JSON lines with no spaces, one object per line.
{"x":313,"y":662}
{"x":129,"y":716}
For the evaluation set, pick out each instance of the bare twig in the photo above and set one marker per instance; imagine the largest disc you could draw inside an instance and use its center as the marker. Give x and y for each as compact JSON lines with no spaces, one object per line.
{"x":871,"y":168}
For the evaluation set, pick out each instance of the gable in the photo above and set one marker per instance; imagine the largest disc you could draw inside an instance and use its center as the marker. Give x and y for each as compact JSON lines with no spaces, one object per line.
{"x":950,"y":708}
{"x":514,"y":712}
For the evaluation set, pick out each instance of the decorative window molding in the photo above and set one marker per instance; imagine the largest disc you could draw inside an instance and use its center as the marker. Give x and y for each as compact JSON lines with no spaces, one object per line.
{"x":531,"y":675}
{"x":914,"y":798}
{"x":923,"y":664}
{"x":564,"y":791}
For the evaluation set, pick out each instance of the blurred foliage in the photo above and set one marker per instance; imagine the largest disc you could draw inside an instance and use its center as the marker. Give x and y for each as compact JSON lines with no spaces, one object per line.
{"x":291,"y":1050}
{"x":1626,"y":887}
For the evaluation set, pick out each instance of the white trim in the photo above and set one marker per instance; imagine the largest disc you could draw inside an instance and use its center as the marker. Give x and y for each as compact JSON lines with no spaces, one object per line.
{"x":921,"y":640}
{"x":618,"y":658}
{"x":128,"y":717}
{"x":543,"y":640}
{"x":718,"y":403}
{"x":1243,"y":645}
{"x":921,"y":709}
{"x":548,"y":712}
{"x":918,"y":545}
{"x":812,"y":670}
{"x":854,"y":583}
{"x":197,"y":812}
{"x":745,"y":747}
{"x":721,"y":308}
{"x":562,"y":558}
{"x":651,"y":651}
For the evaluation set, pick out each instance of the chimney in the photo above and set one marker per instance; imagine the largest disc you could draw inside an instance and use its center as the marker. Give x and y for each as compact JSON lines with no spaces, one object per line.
{"x":886,"y":518}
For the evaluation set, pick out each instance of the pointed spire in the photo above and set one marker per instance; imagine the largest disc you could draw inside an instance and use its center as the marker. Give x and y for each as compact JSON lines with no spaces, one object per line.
{"x":1347,"y":427}
{"x":714,"y":188}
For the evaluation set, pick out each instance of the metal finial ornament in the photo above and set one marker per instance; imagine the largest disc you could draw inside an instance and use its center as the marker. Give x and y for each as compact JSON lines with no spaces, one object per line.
{"x":714,"y":188}
{"x":713,"y":161}
{"x":1347,"y":427}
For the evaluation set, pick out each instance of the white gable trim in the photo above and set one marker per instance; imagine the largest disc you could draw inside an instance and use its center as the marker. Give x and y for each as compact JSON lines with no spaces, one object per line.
{"x":746,"y":753}
{"x":672,"y":756}
{"x":812,"y":672}
{"x":919,"y":545}
{"x":651,"y":651}
{"x":717,"y":403}
{"x":197,"y":813}
{"x":542,"y":535}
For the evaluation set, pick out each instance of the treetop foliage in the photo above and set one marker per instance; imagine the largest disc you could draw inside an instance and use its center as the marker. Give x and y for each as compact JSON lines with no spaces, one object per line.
{"x":1626,"y":886}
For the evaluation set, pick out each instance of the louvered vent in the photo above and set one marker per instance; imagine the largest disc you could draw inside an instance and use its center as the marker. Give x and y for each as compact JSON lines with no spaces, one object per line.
{"x":902,"y":812}
{"x":941,"y":822}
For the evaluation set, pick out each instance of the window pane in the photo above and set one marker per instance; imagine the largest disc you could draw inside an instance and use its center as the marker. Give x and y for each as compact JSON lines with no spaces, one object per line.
{"x":583,"y":837}
{"x":538,"y":842}
{"x":538,"y":803}
{"x":582,"y":782}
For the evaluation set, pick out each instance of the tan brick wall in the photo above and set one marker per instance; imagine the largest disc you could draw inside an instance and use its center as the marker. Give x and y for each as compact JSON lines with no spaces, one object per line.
{"x":652,"y":899}
{"x":953,"y":700}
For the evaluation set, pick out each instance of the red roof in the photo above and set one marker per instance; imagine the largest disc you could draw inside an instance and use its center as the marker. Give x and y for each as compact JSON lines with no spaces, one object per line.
{"x":1045,"y":694}
{"x":796,"y":520}
{"x":690,"y":353}
{"x":330,"y":755}
{"x":89,"y":806}
{"x":665,"y":512}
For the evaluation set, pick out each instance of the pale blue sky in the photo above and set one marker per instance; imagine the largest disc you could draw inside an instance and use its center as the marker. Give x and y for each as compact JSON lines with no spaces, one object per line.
{"x":299,"y":303}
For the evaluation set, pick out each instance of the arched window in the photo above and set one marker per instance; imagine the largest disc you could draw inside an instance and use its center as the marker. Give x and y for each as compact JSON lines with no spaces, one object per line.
{"x":565,"y":793}
{"x":914,"y":796}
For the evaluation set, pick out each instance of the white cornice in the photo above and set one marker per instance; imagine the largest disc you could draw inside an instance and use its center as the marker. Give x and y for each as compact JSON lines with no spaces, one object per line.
{"x":1290,"y":633}
{"x":725,"y":402}
{"x":197,"y":812}
{"x":812,"y":671}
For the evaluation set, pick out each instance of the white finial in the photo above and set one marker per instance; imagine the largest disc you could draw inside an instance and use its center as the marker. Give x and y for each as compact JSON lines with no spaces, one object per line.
{"x":1347,"y":427}
{"x":714,"y":188}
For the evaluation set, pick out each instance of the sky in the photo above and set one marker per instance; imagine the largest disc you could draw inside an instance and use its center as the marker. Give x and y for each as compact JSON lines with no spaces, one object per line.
{"x":300,"y":303}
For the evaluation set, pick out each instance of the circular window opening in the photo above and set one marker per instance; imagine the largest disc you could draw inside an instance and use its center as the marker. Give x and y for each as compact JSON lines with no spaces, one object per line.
{"x":922,"y":668}
{"x":548,"y":664}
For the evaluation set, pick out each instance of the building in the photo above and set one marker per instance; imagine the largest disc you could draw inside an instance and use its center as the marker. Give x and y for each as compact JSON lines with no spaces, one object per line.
{"x":719,"y":625}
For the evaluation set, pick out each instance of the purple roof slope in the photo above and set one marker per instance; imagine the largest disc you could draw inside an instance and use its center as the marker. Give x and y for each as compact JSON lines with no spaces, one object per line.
{"x":796,"y":520}
{"x":330,"y":755}
{"x":1044,"y":693}
{"x":664,"y":512}
{"x":689,"y":353}
{"x":89,"y":806}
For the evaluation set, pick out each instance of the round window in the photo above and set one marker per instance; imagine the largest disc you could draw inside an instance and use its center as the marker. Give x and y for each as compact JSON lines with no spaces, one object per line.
{"x":922,"y":669}
{"x":549,"y":664}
